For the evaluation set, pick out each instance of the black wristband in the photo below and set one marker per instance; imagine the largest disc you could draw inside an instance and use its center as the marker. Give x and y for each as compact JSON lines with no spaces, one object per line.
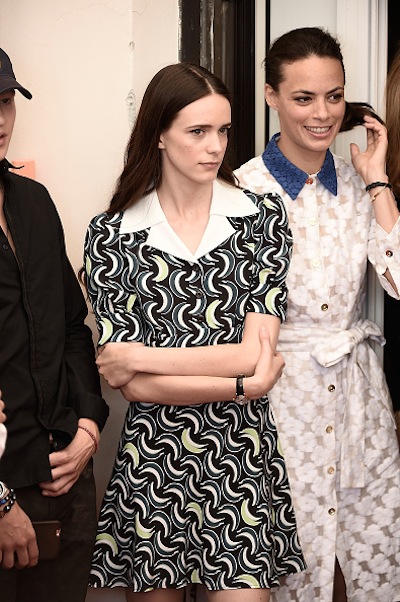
{"x":240,"y":398}
{"x":239,"y":385}
{"x":378,"y":184}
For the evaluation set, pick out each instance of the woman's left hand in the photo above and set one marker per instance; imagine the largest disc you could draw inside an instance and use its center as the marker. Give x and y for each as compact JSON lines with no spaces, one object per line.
{"x":370,"y":164}
{"x":268,"y":369}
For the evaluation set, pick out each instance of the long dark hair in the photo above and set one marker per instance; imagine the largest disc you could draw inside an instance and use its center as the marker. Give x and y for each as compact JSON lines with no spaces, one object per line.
{"x":171,"y":89}
{"x":300,"y":44}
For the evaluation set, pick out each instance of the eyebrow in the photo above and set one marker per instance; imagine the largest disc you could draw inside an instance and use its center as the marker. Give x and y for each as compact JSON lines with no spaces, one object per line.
{"x":208,"y":125}
{"x":312,"y":93}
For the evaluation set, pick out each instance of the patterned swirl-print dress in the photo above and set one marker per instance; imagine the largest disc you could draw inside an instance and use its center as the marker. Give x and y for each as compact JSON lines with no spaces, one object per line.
{"x":198,"y":494}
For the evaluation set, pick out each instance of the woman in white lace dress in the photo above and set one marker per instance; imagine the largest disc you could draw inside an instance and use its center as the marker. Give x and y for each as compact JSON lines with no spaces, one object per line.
{"x":332,"y":405}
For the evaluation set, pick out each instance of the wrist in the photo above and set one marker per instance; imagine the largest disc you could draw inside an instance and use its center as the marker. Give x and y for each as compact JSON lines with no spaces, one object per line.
{"x":376,"y":188}
{"x":92,"y":430}
{"x":256,"y":387}
{"x":141,"y":360}
{"x":376,"y":177}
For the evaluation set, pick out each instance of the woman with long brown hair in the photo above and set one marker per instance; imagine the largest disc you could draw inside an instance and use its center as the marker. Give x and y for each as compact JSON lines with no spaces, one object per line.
{"x":392,"y":307}
{"x":186,"y":275}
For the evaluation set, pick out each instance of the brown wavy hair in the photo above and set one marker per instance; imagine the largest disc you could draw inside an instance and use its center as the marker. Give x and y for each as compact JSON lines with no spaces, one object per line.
{"x":171,"y":89}
{"x":393,"y":123}
{"x":300,"y":44}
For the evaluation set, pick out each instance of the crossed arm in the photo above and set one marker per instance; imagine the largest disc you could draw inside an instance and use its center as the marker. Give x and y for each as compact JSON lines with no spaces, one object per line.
{"x":185,"y":376}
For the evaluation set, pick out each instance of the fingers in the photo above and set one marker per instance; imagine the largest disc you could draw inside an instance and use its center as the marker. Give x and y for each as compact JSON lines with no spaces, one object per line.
{"x":263,"y":334}
{"x":376,"y":132}
{"x":18,"y":546}
{"x":371,"y":122}
{"x":33,"y":552}
{"x":67,"y":465}
{"x":57,"y":487}
{"x":63,"y":477}
{"x":280,"y":364}
{"x":27,"y":556}
{"x":270,"y":363}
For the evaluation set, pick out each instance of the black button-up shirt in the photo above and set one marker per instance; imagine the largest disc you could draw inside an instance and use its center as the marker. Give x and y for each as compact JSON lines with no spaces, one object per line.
{"x":48,"y":374}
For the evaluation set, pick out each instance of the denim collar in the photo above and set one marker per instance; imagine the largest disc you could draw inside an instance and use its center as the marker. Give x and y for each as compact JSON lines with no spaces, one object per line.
{"x":290,"y":177}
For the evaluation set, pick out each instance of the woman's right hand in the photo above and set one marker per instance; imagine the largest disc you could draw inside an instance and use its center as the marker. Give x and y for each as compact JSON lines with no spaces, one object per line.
{"x":116,"y":362}
{"x":268,"y":369}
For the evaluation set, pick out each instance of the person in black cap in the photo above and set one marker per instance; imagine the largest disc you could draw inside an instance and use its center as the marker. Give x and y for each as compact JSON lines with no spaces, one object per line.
{"x":7,"y":77}
{"x":50,"y":385}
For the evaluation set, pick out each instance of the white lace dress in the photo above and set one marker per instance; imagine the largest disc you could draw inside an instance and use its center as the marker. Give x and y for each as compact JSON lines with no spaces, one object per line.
{"x":332,"y":405}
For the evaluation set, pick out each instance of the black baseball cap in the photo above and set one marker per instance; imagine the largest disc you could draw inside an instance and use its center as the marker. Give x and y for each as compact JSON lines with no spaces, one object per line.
{"x":7,"y":77}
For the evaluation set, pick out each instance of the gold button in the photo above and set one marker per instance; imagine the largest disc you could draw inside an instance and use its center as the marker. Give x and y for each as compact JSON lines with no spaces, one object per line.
{"x":324,"y":307}
{"x":331,"y":470}
{"x":331,"y":511}
{"x":329,"y":429}
{"x":331,"y":388}
{"x":389,"y":253}
{"x":309,"y":181}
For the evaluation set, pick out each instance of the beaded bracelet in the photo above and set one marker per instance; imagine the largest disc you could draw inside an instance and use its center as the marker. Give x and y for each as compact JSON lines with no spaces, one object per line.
{"x":93,"y":438}
{"x":377,"y":184}
{"x":7,"y":503}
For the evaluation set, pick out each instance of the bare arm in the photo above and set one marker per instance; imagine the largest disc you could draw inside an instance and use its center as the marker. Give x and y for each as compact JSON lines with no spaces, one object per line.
{"x":119,"y":362}
{"x":189,"y":390}
{"x":371,"y":166}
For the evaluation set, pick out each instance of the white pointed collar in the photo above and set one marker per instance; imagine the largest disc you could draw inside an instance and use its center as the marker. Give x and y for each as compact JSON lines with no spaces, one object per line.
{"x":227,"y":201}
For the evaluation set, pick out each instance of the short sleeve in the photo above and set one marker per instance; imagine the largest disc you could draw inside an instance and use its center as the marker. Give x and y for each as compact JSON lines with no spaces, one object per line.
{"x":111,"y":295}
{"x":272,"y":252}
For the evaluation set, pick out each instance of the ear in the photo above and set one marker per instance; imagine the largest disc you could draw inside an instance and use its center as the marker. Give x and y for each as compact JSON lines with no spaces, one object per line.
{"x":271,"y":97}
{"x":161,"y":142}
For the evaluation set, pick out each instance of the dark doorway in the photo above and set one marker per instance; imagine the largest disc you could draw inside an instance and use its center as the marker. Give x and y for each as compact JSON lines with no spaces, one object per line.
{"x":220,"y":35}
{"x":393,"y":28}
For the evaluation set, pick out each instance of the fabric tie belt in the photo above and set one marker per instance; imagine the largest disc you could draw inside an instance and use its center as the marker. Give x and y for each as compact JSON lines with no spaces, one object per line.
{"x":329,"y":348}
